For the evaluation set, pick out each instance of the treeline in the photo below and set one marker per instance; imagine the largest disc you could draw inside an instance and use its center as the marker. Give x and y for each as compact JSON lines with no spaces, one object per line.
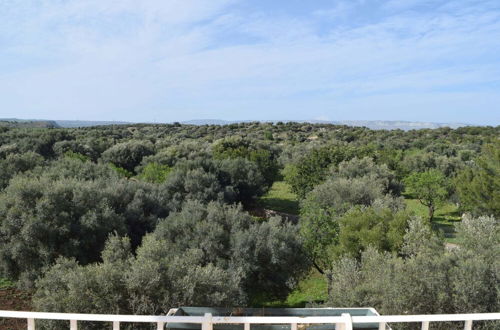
{"x":143,"y":218}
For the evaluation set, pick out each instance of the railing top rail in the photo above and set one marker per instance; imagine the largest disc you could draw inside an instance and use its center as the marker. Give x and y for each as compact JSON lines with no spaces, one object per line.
{"x":251,"y":319}
{"x":426,"y":317}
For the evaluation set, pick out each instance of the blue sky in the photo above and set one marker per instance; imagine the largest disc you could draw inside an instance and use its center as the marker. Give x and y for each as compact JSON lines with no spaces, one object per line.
{"x":174,"y":60}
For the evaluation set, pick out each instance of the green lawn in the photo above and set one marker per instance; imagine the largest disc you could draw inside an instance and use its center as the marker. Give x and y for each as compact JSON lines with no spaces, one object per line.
{"x":5,"y":283}
{"x":311,"y":289}
{"x":445,"y":217}
{"x":280,"y":198}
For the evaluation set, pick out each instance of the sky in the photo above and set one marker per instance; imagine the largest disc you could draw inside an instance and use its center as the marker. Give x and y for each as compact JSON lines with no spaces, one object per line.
{"x":176,"y":60}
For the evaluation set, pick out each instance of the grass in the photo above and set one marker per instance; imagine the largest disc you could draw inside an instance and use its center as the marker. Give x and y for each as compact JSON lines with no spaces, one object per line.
{"x":312,"y":289}
{"x":5,"y":284}
{"x":280,"y":198}
{"x":445,"y":217}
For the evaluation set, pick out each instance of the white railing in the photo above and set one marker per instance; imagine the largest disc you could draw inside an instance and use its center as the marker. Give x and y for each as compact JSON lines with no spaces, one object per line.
{"x":344,"y":322}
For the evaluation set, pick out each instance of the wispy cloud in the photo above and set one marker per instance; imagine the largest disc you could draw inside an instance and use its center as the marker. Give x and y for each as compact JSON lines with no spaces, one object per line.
{"x":174,"y":60}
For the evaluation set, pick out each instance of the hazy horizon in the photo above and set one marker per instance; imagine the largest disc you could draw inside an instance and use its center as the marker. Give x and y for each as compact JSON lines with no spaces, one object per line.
{"x":165,"y":61}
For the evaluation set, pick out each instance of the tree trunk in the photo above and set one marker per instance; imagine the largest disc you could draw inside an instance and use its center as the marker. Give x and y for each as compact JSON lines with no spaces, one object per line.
{"x":431,"y":212}
{"x":329,"y":281}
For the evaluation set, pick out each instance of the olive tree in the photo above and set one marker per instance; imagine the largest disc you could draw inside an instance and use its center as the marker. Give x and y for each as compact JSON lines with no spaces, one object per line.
{"x":204,"y":255}
{"x":478,"y":186}
{"x":429,"y":187}
{"x":128,"y":155}
{"x":424,"y":277}
{"x":45,"y":218}
{"x":15,"y":164}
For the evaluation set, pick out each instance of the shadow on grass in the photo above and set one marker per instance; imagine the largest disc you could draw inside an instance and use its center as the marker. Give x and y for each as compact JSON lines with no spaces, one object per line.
{"x":281,"y":205}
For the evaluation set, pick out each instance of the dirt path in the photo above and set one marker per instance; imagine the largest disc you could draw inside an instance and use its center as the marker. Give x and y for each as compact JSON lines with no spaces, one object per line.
{"x":14,"y":300}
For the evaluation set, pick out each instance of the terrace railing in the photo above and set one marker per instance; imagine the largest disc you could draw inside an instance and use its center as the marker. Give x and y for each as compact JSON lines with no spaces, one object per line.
{"x":343,"y":322}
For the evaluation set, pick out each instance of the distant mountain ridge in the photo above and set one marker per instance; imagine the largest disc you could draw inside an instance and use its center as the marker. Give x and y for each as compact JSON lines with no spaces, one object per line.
{"x":372,"y":124}
{"x":12,"y":122}
{"x":58,"y":123}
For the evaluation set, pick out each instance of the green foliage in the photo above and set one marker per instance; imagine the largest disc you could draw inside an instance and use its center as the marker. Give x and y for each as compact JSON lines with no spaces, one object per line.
{"x":428,"y":279}
{"x":73,"y":148}
{"x":322,"y":208}
{"x":76,"y":155}
{"x":366,"y":167}
{"x":15,"y":164}
{"x":62,"y":199}
{"x":339,"y":194}
{"x":268,"y":253}
{"x":261,"y":154}
{"x":268,"y":135}
{"x":446,"y":217}
{"x":123,"y":173}
{"x":43,"y":219}
{"x":313,"y":168}
{"x":155,"y":173}
{"x":128,"y":155}
{"x":429,"y":187}
{"x":362,"y":227}
{"x":229,"y":180}
{"x":479,"y":186}
{"x":5,"y":283}
{"x":211,"y":255}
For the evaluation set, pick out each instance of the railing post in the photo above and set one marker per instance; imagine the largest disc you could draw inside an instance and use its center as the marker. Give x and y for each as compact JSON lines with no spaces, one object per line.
{"x":161,"y":325}
{"x":425,"y":325}
{"x":381,"y":326}
{"x":116,"y":325}
{"x":31,"y":324}
{"x":468,"y":325}
{"x":347,"y":321}
{"x":73,"y":325}
{"x":246,"y":326}
{"x":293,"y":326}
{"x":207,"y":324}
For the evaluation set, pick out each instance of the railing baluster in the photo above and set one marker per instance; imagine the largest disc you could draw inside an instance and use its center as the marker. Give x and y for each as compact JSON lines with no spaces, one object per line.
{"x":425,"y":325}
{"x":468,"y":325}
{"x":31,"y":324}
{"x":246,"y":326}
{"x":293,"y":326}
{"x":348,"y":321}
{"x":161,"y":325}
{"x":381,"y":326}
{"x":116,"y":325}
{"x":73,"y":325}
{"x":207,"y":324}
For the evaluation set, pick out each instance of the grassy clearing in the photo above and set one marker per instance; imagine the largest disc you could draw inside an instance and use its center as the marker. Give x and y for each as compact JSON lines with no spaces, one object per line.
{"x":280,"y":198}
{"x":5,"y":284}
{"x":310,"y":290}
{"x":445,"y":217}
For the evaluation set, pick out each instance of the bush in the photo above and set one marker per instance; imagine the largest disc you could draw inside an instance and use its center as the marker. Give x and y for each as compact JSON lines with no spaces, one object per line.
{"x":204,"y":255}
{"x":128,"y":155}
{"x":14,"y":164}
{"x":478,"y":187}
{"x":43,"y":219}
{"x":428,"y":279}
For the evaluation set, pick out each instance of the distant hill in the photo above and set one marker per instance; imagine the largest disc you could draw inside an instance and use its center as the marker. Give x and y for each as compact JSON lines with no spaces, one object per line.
{"x":14,"y":122}
{"x":28,"y":123}
{"x":404,"y":125}
{"x":372,"y":124}
{"x":207,"y":122}
{"x":84,"y":123}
